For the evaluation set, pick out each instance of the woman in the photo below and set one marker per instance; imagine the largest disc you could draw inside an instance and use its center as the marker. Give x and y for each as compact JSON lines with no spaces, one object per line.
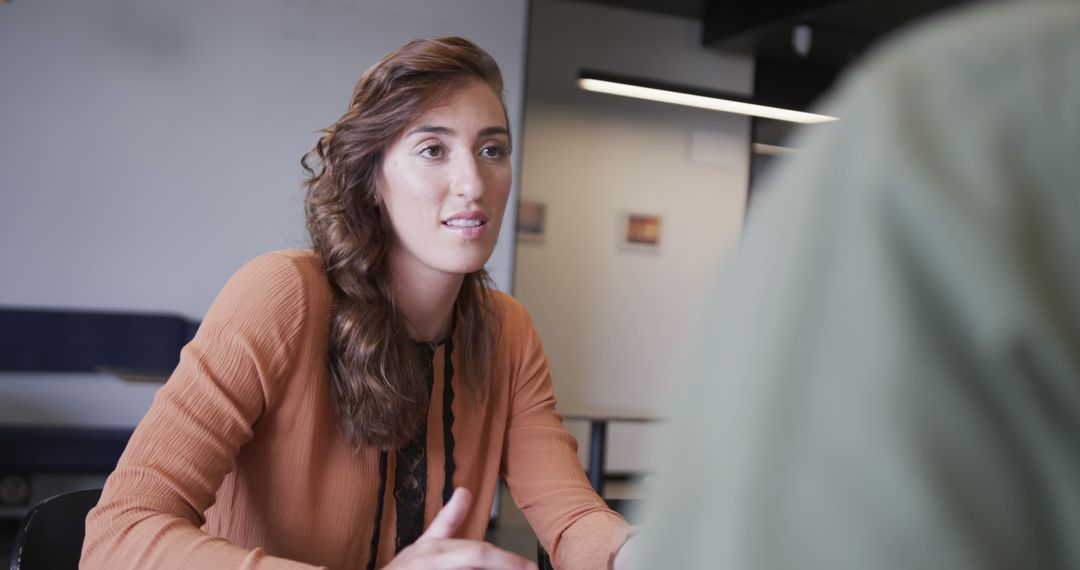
{"x":334,"y":398}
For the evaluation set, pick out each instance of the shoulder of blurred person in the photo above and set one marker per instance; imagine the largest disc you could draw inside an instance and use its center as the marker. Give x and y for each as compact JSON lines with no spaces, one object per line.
{"x":889,"y":377}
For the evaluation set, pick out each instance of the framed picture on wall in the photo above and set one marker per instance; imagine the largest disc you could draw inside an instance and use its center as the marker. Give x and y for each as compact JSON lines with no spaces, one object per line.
{"x":639,"y":231}
{"x":530,"y":221}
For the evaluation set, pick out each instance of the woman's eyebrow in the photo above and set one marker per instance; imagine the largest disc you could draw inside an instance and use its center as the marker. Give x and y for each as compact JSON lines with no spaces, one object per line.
{"x":484,"y":132}
{"x":431,"y":129}
{"x":488,"y":131}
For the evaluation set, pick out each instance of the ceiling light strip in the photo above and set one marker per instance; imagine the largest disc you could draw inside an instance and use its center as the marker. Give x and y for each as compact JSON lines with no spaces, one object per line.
{"x":774,"y":150}
{"x":700,"y":101}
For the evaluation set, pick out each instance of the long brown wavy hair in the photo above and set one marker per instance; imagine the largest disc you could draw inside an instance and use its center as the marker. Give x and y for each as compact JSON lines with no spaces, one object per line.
{"x":378,"y":381}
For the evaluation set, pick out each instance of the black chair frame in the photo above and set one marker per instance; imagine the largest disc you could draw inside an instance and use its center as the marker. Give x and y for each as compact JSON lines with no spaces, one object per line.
{"x":51,"y":534}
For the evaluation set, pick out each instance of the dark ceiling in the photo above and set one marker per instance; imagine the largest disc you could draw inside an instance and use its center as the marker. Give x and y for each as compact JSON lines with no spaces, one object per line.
{"x":684,"y":8}
{"x":833,"y":33}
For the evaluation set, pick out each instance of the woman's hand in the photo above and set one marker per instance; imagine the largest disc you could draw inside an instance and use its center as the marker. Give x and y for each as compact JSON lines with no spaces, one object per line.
{"x":437,"y":551}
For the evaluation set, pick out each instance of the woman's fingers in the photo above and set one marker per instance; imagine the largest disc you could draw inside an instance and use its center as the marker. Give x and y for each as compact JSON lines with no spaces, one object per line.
{"x":480,"y":556}
{"x":451,"y":515}
{"x":457,"y":554}
{"x":435,"y":548}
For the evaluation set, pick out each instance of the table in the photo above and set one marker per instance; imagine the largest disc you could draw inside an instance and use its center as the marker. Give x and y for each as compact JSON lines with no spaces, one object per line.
{"x":598,"y":418}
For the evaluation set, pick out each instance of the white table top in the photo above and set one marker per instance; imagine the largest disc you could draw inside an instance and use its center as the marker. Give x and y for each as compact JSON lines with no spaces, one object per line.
{"x":606,"y":413}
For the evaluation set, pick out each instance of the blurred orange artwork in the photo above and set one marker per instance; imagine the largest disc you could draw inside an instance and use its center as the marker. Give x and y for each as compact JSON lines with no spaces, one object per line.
{"x":530,"y":220}
{"x":642,"y":229}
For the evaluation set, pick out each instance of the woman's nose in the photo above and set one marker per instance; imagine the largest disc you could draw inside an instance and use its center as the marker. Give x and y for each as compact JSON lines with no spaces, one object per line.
{"x":468,"y":181}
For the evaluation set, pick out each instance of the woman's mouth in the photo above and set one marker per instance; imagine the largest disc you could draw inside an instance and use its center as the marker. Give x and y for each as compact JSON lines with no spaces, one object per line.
{"x":460,"y":223}
{"x":469,"y":227}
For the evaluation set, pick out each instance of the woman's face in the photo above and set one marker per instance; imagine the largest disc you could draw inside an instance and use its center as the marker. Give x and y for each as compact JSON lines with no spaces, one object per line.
{"x":444,"y":184}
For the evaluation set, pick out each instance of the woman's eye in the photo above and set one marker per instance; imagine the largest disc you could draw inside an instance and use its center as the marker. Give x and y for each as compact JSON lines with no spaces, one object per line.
{"x":431,"y":151}
{"x":494,"y":151}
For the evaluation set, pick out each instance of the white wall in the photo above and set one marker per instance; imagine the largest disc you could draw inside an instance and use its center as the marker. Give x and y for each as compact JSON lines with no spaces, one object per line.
{"x":148,"y":148}
{"x":614,"y":322}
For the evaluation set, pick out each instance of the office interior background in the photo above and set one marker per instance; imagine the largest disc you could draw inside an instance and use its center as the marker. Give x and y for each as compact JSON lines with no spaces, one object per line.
{"x":149,"y":148}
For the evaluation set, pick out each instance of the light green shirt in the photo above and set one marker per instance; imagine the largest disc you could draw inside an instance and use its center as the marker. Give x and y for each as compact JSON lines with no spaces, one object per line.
{"x":891,"y":373}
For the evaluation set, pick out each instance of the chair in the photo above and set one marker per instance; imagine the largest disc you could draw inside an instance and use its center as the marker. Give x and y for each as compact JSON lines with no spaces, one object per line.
{"x":51,"y":534}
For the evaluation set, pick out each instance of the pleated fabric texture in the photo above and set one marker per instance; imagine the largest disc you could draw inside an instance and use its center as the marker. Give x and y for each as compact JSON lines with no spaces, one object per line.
{"x":239,"y":463}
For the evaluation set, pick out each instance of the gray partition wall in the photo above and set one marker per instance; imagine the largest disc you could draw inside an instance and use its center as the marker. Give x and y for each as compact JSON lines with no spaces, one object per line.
{"x":149,"y":148}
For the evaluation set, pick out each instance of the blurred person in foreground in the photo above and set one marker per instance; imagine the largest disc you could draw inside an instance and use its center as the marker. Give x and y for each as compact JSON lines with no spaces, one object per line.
{"x":891,"y":375}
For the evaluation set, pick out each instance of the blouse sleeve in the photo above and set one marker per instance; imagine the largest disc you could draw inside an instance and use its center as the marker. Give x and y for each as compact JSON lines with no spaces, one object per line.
{"x":153,"y":504}
{"x":541,"y":467}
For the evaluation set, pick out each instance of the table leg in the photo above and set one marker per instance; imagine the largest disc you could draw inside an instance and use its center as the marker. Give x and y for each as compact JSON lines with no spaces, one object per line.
{"x":597,"y":451}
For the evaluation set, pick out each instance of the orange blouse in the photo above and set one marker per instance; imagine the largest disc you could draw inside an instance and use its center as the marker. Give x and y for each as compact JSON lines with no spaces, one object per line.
{"x":239,"y":463}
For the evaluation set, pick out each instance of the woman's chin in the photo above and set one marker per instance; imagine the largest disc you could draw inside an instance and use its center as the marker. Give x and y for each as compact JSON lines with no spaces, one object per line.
{"x":462,"y":267}
{"x":468,"y":263}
